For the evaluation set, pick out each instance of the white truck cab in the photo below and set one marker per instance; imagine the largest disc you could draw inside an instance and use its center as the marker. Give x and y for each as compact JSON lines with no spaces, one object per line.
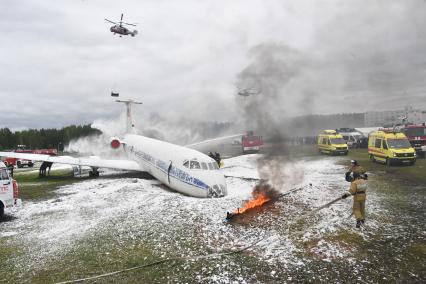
{"x":353,"y":138}
{"x":9,"y":191}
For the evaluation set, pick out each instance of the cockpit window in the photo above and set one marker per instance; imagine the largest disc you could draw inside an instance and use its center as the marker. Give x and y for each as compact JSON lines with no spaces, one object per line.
{"x":216,"y":167}
{"x":211,"y":166}
{"x":186,"y":164}
{"x":204,"y":166}
{"x":195,"y":165}
{"x":3,"y":174}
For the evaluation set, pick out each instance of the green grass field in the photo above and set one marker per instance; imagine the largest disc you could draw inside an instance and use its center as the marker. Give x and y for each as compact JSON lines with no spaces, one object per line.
{"x":413,"y":174}
{"x":408,"y":174}
{"x":33,"y":188}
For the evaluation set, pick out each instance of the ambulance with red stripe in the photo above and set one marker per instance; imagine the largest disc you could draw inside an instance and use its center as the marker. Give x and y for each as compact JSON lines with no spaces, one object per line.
{"x":9,"y":192}
{"x":388,"y":146}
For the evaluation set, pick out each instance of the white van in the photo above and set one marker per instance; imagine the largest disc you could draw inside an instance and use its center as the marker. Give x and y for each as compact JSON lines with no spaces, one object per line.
{"x":9,"y":191}
{"x":353,"y":138}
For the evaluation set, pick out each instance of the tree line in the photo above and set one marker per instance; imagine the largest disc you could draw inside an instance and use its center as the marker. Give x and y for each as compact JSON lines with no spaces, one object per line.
{"x":44,"y":138}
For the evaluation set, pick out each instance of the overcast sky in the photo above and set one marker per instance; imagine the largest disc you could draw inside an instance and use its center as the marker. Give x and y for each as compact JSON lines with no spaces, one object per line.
{"x":59,"y":61}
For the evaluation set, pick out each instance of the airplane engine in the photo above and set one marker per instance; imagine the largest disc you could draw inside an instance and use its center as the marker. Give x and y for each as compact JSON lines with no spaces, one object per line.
{"x":115,"y":143}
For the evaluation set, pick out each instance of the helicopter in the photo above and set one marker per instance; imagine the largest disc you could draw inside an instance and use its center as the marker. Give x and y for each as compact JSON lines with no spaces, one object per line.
{"x":248,"y":92}
{"x":120,"y":29}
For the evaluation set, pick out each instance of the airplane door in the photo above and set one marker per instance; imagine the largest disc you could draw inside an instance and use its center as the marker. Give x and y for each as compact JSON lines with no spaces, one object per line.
{"x":168,"y":171}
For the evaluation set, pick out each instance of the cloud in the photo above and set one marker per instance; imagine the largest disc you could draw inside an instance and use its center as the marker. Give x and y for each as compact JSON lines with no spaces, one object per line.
{"x":62,"y":62}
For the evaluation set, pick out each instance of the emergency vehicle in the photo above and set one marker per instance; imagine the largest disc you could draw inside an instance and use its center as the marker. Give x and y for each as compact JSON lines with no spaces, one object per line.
{"x":251,"y":143}
{"x":389,"y":146}
{"x":416,"y":134}
{"x":20,"y":163}
{"x":9,"y":192}
{"x":353,"y":138}
{"x":331,"y":142}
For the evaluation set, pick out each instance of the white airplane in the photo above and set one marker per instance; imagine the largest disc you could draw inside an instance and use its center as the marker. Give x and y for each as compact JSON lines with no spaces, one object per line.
{"x":180,"y":168}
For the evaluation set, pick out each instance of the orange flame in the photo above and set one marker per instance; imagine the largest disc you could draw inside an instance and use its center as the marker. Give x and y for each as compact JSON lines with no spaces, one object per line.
{"x":260,"y":198}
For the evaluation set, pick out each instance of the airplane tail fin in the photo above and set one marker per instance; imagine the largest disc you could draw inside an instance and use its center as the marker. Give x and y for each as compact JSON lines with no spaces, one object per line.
{"x":129,"y":119}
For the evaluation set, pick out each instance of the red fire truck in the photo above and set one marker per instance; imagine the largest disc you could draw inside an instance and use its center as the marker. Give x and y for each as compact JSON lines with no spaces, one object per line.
{"x":21,"y":163}
{"x":416,"y":134}
{"x":251,"y":143}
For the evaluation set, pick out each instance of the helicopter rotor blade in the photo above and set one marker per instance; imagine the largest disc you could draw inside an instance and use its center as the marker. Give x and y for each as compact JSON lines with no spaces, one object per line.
{"x":121,"y":20}
{"x":110,"y":21}
{"x":130,"y":24}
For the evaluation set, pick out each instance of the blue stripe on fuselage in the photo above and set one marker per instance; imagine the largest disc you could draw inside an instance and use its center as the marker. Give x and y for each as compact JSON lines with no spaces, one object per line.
{"x":174,"y":172}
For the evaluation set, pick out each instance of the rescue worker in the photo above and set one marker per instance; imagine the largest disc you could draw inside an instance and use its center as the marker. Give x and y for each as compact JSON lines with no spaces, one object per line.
{"x":211,"y":156}
{"x":358,"y":190}
{"x":217,"y":158}
{"x":10,"y":168}
{"x":356,"y":168}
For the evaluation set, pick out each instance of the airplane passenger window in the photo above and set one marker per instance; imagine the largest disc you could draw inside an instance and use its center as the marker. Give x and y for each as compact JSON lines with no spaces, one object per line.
{"x":195,"y":165}
{"x":204,"y":166}
{"x":186,"y":164}
{"x":211,"y":167}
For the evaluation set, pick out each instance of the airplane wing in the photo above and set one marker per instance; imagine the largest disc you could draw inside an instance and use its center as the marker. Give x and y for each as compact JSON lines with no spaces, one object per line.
{"x":83,"y":161}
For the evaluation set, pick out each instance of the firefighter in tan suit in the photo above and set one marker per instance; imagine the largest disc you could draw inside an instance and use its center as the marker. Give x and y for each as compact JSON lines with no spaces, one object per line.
{"x":358,"y":190}
{"x":355,"y":167}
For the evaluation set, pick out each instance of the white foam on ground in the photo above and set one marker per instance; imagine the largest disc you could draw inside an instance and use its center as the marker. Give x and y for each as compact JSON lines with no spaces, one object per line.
{"x":135,"y":207}
{"x":242,"y":166}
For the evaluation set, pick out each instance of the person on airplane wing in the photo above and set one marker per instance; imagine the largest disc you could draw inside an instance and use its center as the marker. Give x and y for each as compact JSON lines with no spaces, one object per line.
{"x":213,"y":156}
{"x":217,"y":158}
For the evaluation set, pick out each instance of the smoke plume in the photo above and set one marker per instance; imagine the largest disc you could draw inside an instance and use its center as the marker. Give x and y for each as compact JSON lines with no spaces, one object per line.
{"x":272,"y":69}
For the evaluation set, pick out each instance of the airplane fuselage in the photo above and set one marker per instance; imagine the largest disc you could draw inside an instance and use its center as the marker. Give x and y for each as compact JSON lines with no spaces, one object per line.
{"x":182,"y":169}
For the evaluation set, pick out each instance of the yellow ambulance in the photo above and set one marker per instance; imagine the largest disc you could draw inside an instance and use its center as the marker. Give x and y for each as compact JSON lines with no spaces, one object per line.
{"x":331,"y":142}
{"x":389,"y":147}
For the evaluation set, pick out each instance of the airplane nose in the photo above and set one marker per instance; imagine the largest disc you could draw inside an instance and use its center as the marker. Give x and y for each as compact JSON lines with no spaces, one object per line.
{"x":217,"y":186}
{"x":215,"y":182}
